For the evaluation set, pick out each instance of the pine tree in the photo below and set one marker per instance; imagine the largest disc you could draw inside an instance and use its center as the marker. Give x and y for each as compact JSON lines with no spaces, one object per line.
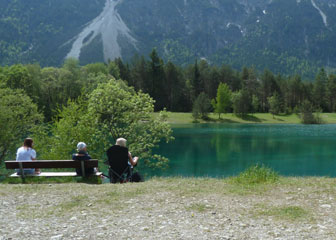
{"x":275,"y":104}
{"x":331,"y":93}
{"x":319,"y":93}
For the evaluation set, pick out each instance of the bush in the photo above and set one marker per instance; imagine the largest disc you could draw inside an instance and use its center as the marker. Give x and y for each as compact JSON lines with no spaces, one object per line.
{"x":257,"y":174}
{"x":306,"y":114}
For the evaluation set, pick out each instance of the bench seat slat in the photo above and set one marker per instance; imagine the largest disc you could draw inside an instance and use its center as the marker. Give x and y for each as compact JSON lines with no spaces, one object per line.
{"x":53,"y":174}
{"x":51,"y":164}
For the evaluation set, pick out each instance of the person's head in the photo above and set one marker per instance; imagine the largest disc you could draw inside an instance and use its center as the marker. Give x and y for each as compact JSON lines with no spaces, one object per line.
{"x":81,"y":146}
{"x":28,"y":143}
{"x":121,"y":142}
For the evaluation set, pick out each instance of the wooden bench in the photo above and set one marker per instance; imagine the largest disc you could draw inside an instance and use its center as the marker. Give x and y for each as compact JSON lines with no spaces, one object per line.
{"x":52,"y":164}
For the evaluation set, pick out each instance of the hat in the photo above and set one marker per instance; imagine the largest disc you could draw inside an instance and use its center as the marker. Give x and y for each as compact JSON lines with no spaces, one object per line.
{"x":81,"y":146}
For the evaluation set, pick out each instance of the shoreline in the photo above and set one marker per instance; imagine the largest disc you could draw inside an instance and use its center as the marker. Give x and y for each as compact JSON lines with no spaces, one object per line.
{"x":256,"y":118}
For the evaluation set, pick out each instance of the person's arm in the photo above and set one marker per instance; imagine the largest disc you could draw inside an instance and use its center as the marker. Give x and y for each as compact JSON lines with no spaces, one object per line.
{"x":33,"y":155}
{"x":131,"y":160}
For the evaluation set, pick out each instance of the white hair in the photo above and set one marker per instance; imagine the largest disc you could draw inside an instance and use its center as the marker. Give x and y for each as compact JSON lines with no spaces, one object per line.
{"x":121,"y":142}
{"x":81,"y":146}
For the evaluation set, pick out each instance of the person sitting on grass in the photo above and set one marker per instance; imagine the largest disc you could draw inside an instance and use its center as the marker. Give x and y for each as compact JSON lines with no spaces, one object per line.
{"x":83,"y":155}
{"x":27,"y":153}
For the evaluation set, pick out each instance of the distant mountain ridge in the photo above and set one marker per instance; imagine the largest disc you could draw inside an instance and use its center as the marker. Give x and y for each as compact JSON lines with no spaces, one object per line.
{"x":286,"y":36}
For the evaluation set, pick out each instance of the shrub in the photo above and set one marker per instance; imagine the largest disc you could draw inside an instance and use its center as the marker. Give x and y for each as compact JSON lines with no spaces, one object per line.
{"x":307,"y":114}
{"x":257,"y":174}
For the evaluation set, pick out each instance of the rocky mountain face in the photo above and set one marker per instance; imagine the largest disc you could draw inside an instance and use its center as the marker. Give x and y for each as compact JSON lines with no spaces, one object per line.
{"x":286,"y":36}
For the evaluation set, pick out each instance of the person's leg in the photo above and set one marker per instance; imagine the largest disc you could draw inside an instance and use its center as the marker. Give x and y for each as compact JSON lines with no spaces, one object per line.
{"x":112,"y":177}
{"x":26,"y":171}
{"x":129,"y":173}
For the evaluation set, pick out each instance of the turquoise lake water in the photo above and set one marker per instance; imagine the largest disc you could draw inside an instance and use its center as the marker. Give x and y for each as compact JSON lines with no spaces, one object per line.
{"x":219,"y":150}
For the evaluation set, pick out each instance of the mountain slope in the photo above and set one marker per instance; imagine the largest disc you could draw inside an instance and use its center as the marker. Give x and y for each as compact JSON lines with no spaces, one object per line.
{"x":286,"y":36}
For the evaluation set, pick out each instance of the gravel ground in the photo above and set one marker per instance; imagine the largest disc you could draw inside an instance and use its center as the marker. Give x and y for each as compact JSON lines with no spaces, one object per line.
{"x":173,"y":208}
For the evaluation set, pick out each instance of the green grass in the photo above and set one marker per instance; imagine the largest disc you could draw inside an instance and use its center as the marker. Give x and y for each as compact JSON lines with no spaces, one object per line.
{"x":291,"y":213}
{"x":256,"y":175}
{"x":266,"y":118}
{"x":198,"y":207}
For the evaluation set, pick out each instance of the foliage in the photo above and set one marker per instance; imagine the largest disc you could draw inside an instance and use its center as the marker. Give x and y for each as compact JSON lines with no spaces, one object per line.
{"x":275,"y":105}
{"x":170,"y":85}
{"x":255,"y":104}
{"x":257,"y":174}
{"x":111,"y":111}
{"x":330,"y":93}
{"x":307,"y":114}
{"x":201,"y":107}
{"x":18,"y":118}
{"x":222,"y":104}
{"x":319,"y":91}
{"x":241,"y":103}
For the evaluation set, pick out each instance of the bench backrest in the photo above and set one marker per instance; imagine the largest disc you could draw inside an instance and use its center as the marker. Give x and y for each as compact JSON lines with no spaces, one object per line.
{"x":52,"y":164}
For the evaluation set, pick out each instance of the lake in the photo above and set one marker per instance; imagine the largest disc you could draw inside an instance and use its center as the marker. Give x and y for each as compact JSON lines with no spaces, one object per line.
{"x":220,"y":150}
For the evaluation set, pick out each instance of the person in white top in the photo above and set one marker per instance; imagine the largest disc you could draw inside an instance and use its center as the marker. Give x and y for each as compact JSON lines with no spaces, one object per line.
{"x":27,"y":153}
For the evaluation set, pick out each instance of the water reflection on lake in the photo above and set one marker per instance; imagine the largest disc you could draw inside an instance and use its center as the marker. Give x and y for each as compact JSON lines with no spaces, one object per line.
{"x":226,"y":149}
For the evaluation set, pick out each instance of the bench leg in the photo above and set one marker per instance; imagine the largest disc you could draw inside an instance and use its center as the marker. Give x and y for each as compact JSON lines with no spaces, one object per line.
{"x":21,"y":171}
{"x":83,"y":169}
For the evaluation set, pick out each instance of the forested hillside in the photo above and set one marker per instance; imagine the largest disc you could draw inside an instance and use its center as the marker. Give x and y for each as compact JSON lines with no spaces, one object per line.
{"x":37,"y":31}
{"x":285,"y":36}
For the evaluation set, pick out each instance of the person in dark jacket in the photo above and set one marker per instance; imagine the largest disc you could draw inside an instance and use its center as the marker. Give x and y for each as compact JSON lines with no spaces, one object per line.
{"x":82,"y":155}
{"x":120,"y":161}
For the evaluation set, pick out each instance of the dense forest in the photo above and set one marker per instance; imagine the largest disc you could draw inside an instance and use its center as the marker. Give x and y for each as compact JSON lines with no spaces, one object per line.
{"x":172,"y":87}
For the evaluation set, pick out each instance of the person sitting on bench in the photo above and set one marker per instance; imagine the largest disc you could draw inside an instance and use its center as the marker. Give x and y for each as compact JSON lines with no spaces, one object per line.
{"x":82,"y":155}
{"x":27,"y":153}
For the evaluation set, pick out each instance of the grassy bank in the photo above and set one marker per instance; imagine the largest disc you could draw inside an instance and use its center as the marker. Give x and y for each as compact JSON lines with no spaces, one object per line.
{"x":266,"y":118}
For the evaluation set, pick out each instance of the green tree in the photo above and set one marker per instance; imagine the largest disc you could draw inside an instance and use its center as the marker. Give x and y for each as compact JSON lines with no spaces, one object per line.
{"x":113,"y":70}
{"x":19,"y":77}
{"x":275,"y":104}
{"x":96,"y":68}
{"x":250,"y":81}
{"x":201,"y":106}
{"x":255,"y":104}
{"x":18,"y":117}
{"x":293,"y":92}
{"x":158,"y":88}
{"x":111,"y":111}
{"x":124,"y":71}
{"x":176,"y":88}
{"x":230,"y":77}
{"x":222,"y":104}
{"x":195,"y":81}
{"x":307,"y":113}
{"x":241,"y":103}
{"x":139,"y":75}
{"x":267,"y":88}
{"x":331,"y":93}
{"x":319,"y":93}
